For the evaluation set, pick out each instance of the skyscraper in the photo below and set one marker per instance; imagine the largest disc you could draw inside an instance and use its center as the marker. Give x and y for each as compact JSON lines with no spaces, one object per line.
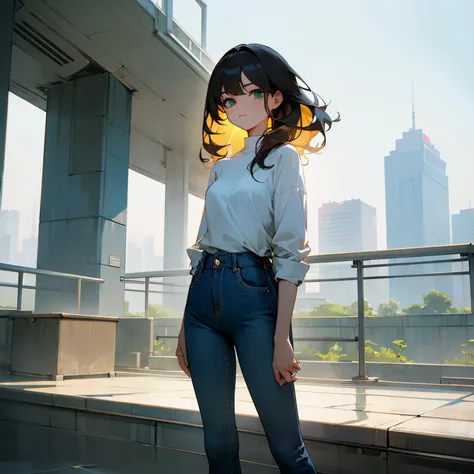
{"x":9,"y":236}
{"x":417,"y":209}
{"x":348,"y":226}
{"x":463,"y":233}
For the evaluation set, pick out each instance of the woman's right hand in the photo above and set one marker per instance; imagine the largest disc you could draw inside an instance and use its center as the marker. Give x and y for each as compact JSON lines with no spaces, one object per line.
{"x":181,"y":353}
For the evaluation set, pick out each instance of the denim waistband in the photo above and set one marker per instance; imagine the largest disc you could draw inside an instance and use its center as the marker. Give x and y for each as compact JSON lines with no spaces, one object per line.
{"x":234,"y":260}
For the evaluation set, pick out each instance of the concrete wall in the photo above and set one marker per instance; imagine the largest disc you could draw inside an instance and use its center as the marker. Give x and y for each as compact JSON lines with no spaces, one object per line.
{"x":431,"y":339}
{"x":5,"y":342}
{"x":134,"y":342}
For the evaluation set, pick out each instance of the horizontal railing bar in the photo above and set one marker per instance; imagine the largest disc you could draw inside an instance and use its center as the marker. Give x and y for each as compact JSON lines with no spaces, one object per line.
{"x":158,"y":283}
{"x":328,"y":280}
{"x":327,"y":339}
{"x":413,"y":252}
{"x":157,"y":274}
{"x":421,"y":262}
{"x":34,"y":271}
{"x":415,"y":275}
{"x":41,"y":288}
{"x":157,"y":292}
{"x":305,"y":339}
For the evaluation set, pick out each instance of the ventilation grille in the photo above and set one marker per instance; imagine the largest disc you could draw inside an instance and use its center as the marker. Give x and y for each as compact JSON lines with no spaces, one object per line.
{"x":34,"y":36}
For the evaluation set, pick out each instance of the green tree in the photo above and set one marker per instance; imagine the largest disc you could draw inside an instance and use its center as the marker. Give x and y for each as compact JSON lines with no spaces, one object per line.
{"x":329,"y":309}
{"x":414,"y":309}
{"x":159,"y":311}
{"x":353,"y":309}
{"x":392,"y":308}
{"x":436,"y":302}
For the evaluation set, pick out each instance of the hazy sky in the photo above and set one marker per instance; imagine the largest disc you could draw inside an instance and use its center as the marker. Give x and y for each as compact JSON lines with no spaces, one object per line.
{"x":360,"y":55}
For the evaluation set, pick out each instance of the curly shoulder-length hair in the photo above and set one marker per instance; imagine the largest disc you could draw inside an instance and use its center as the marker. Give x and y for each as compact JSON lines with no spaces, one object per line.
{"x":297,"y":120}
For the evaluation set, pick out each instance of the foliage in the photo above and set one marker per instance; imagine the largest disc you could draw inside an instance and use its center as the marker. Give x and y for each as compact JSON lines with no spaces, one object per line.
{"x":383,"y":354}
{"x":372,"y":352}
{"x":414,"y":309}
{"x":434,"y":302}
{"x":159,"y":347}
{"x":392,"y":308}
{"x":331,"y":309}
{"x":467,"y":351}
{"x":333,"y":355}
{"x":159,"y":311}
{"x":353,"y":309}
{"x":154,"y":311}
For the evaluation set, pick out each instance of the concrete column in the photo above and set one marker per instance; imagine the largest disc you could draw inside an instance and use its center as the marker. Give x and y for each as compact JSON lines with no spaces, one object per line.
{"x":176,"y":211}
{"x":84,"y":194}
{"x":7,"y":13}
{"x":176,"y":225}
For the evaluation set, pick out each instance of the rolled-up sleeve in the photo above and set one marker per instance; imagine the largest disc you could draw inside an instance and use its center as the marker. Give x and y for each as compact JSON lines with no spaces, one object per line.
{"x":290,"y":242}
{"x":195,"y":251}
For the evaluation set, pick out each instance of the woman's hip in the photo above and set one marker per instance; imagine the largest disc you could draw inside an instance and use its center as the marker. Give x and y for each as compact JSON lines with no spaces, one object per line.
{"x":233,"y":287}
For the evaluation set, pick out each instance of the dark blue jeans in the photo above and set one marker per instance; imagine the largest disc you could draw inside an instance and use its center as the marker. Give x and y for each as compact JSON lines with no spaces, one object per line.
{"x":232,"y":307}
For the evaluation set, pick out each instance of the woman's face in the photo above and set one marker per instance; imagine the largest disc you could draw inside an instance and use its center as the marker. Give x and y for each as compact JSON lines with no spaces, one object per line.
{"x":247,"y":111}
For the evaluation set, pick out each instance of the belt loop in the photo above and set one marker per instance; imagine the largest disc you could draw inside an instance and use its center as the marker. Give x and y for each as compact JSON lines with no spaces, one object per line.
{"x":234,"y":262}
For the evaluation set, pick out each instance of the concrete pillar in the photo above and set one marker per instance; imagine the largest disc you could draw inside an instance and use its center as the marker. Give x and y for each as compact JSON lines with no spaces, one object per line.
{"x":176,"y":211}
{"x":7,"y":13}
{"x":84,"y":194}
{"x":176,"y":225}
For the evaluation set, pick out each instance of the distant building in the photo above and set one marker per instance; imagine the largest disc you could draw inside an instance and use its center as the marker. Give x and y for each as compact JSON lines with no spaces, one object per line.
{"x":9,"y":236}
{"x":348,"y":226}
{"x":463,"y":232}
{"x":417,"y":210}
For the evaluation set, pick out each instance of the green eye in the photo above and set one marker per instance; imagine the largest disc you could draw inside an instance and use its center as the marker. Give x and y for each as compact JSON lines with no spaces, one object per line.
{"x":258,"y":94}
{"x":228,"y":103}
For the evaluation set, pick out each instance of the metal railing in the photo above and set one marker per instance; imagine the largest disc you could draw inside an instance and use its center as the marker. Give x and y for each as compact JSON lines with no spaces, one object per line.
{"x":20,"y":286}
{"x":465,"y":253}
{"x":168,"y":11}
{"x":178,"y":39}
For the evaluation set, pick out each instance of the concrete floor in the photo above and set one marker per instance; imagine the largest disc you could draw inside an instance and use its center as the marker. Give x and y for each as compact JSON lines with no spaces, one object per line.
{"x":378,"y":416}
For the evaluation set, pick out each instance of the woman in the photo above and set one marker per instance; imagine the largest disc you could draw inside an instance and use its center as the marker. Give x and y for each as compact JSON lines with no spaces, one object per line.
{"x":248,"y":260}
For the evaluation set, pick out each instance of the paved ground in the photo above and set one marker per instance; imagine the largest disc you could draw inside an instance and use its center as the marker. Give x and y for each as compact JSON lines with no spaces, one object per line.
{"x":338,"y":412}
{"x":342,"y":403}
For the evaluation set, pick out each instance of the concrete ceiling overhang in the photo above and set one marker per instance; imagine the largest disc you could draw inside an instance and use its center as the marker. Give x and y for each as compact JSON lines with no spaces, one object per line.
{"x":57,"y":40}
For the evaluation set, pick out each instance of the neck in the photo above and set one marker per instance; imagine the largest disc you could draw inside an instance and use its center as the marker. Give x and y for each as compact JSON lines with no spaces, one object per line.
{"x":259,"y":129}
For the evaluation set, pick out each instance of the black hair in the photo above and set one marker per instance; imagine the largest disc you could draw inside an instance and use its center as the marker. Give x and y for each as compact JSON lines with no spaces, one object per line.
{"x":268,"y":70}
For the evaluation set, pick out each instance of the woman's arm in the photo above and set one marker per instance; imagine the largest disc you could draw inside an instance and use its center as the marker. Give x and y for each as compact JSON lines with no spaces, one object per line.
{"x":289,"y":248}
{"x":286,"y":304}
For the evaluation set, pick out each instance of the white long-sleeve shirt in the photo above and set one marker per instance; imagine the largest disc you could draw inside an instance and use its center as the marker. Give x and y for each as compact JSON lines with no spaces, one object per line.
{"x":266,"y":217}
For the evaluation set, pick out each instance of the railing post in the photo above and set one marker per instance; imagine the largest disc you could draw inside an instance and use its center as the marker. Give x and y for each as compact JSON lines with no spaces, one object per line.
{"x":203,"y":26}
{"x":147,"y":294}
{"x":79,"y":295}
{"x":19,"y":295}
{"x":359,"y":266}
{"x":471,"y":278}
{"x":168,"y":8}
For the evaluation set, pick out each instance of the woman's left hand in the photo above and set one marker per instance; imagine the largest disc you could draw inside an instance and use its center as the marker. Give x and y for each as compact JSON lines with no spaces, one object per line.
{"x":284,"y":362}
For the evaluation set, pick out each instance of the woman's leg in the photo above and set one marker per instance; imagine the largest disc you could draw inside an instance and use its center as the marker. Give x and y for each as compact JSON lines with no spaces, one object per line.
{"x":276,"y":405}
{"x":211,"y":359}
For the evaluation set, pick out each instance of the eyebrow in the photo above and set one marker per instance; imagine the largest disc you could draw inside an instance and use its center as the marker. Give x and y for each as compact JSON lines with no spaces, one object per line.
{"x":243,"y":87}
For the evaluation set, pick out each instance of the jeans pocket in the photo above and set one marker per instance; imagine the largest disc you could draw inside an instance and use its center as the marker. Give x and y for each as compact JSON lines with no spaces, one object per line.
{"x":252,"y":279}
